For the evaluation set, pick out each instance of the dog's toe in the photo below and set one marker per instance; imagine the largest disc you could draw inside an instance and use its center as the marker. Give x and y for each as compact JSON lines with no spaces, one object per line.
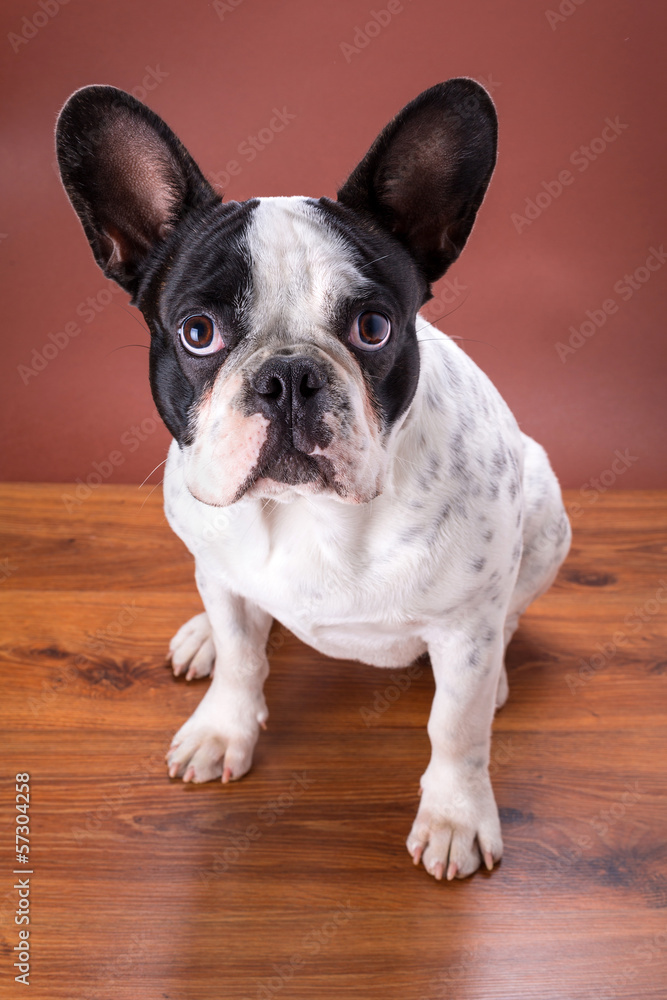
{"x":191,"y":651}
{"x":204,"y":753}
{"x":452,"y":839}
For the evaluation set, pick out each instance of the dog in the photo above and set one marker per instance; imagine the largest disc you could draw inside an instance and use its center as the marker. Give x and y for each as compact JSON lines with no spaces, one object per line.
{"x":337,"y":463}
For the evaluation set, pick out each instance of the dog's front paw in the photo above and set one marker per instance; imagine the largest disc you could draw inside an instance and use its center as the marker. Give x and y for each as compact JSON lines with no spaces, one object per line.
{"x":204,"y":749}
{"x":192,"y":649}
{"x":456,"y":826}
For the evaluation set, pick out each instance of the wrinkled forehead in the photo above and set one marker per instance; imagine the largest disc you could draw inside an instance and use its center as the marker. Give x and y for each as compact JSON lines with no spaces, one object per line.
{"x":301,"y":266}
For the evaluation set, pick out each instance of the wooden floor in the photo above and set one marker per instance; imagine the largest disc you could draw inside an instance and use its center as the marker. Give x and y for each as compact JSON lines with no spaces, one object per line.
{"x":295,"y":882}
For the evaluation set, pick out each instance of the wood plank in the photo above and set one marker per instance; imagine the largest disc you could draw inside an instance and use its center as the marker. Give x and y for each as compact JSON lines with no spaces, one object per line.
{"x":295,"y":881}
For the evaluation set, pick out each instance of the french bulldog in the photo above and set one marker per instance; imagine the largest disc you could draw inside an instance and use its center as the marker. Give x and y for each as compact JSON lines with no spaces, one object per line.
{"x":337,"y":463}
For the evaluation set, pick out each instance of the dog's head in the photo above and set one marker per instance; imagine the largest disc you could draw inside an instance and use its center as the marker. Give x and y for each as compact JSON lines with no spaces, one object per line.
{"x":283,"y":344}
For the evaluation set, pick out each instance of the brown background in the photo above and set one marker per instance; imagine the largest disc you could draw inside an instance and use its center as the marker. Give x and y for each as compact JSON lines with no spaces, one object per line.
{"x":216,"y":76}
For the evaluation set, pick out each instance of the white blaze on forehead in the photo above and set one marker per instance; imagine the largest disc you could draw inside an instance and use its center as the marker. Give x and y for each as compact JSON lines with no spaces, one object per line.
{"x":300,"y":269}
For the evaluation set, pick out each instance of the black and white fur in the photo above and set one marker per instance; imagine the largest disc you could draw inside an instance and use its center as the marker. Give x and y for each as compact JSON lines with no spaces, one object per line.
{"x":379,"y":501}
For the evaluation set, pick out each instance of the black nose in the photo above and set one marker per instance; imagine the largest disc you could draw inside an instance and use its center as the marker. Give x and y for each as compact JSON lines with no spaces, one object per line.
{"x":288,"y":384}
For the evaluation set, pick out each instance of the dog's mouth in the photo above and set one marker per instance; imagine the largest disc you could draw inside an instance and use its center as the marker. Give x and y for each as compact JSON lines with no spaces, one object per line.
{"x":291,"y":471}
{"x":291,"y":467}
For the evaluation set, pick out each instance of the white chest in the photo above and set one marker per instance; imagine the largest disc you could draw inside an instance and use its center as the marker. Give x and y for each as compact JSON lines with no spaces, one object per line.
{"x":339,"y":581}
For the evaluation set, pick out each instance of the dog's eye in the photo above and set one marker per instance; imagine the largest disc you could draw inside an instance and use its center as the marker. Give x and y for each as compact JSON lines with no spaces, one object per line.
{"x":199,"y":335}
{"x":370,"y":331}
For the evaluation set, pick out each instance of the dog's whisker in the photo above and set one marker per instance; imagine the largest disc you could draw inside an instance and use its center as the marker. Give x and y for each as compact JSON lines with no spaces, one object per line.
{"x":151,"y":493}
{"x":430,"y":322}
{"x":163,"y":462}
{"x":136,"y":319}
{"x":124,"y":347}
{"x":462,"y":340}
{"x":369,"y":262}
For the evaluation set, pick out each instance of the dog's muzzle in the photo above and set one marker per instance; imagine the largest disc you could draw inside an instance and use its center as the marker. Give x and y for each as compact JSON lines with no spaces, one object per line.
{"x":293,"y":393}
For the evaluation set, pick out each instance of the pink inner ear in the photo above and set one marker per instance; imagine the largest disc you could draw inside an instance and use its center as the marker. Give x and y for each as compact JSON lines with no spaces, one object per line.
{"x":142,"y":182}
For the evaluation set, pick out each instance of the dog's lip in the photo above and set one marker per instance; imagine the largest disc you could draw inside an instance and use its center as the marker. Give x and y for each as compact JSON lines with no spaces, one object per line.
{"x":291,"y":466}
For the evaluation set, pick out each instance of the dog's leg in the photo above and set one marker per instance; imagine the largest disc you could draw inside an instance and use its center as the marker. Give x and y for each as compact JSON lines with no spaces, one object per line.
{"x":546,"y":533}
{"x":503,"y":689}
{"x":546,"y":542}
{"x":457,"y":823}
{"x":219,"y":737}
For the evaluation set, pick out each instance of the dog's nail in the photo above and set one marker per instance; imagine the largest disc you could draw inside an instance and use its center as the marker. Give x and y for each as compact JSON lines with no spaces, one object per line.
{"x":189,"y":774}
{"x":173,"y":770}
{"x":488,"y":860}
{"x":452,"y":870}
{"x":226,"y":775}
{"x":417,"y":856}
{"x":438,"y":871}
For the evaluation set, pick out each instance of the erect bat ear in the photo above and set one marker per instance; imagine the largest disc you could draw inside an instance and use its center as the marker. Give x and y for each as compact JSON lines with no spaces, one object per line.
{"x":425,"y":176}
{"x":128,"y":177}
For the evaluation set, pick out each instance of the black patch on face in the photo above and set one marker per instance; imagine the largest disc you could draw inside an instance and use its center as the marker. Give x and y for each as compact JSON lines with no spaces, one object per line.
{"x":201,"y":268}
{"x":394,"y":287}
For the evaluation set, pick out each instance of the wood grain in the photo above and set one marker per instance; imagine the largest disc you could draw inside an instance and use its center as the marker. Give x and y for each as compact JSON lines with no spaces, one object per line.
{"x":295,"y":882}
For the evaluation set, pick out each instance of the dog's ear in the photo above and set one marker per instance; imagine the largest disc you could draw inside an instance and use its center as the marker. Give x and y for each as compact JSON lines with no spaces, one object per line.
{"x":128,"y":177}
{"x":425,"y":176}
